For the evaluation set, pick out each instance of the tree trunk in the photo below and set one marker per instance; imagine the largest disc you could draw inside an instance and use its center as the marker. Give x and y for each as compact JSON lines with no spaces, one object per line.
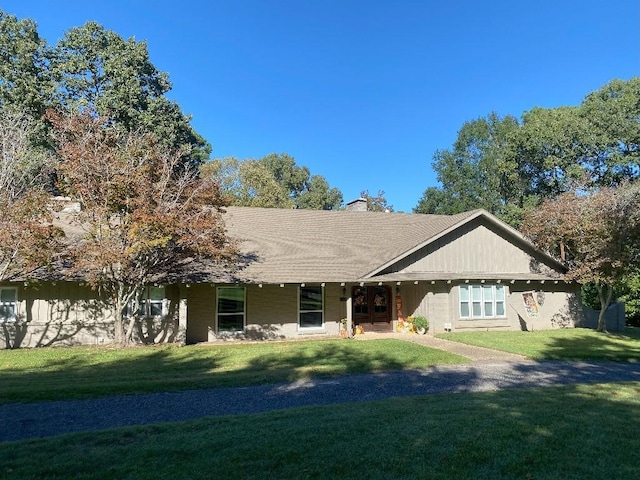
{"x":605,"y":301}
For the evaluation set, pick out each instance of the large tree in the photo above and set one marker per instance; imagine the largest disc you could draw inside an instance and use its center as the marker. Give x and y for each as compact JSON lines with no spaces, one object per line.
{"x":25,"y":79}
{"x":274,"y":181}
{"x":476,"y":172}
{"x":95,"y":68}
{"x":27,"y":238}
{"x":142,"y":213}
{"x":506,"y":166}
{"x":597,"y":235}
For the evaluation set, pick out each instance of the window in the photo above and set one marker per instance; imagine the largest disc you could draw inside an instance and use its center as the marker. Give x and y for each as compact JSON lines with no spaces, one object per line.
{"x":231,"y":309}
{"x":8,"y":304}
{"x":482,"y":301}
{"x":152,"y":303}
{"x":311,"y":307}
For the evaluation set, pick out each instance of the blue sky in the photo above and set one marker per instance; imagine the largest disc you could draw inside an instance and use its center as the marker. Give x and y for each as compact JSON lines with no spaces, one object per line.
{"x":363,"y":92}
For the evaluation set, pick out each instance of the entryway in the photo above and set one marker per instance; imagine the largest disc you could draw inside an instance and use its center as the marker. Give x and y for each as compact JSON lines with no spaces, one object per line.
{"x":372,"y":307}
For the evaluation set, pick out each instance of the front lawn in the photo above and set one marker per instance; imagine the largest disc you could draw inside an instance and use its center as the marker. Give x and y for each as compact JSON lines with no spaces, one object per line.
{"x":29,"y":375}
{"x":563,"y":344}
{"x":577,"y":432}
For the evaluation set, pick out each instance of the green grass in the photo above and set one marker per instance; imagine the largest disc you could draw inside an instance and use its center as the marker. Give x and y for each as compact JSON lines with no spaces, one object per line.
{"x":29,"y":375}
{"x":565,"y":344}
{"x":577,"y":432}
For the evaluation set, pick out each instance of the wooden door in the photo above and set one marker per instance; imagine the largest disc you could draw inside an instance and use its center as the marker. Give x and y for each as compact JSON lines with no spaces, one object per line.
{"x":371,"y":304}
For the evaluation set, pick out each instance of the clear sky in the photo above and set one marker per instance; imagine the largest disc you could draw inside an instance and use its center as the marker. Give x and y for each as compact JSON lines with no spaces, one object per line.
{"x":363,"y":92}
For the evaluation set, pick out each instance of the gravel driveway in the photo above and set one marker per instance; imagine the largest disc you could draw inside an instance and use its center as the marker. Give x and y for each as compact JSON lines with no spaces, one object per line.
{"x":35,"y":420}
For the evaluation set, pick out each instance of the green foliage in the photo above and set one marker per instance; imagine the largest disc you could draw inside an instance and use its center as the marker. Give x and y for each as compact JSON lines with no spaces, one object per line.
{"x":420,"y":322}
{"x":94,"y":69}
{"x":477,"y":172}
{"x":507,"y":167}
{"x":274,"y":181}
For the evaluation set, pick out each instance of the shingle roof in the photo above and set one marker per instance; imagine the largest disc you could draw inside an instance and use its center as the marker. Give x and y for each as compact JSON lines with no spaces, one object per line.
{"x":294,"y":246}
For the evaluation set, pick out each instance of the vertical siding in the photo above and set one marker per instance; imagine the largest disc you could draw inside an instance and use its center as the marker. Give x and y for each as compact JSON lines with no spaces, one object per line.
{"x":472,"y":248}
{"x":60,"y":313}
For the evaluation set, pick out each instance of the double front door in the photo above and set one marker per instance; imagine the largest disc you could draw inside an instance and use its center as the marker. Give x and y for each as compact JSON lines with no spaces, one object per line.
{"x":371,"y":304}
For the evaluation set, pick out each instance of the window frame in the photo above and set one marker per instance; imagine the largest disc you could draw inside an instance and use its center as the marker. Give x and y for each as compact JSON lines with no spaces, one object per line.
{"x":15,"y":304}
{"x":145,"y":307}
{"x":470,"y":300}
{"x":302,"y":311}
{"x":229,"y":314}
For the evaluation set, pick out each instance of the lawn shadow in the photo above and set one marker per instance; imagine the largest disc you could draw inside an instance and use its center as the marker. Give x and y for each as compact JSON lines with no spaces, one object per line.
{"x":619,"y":346}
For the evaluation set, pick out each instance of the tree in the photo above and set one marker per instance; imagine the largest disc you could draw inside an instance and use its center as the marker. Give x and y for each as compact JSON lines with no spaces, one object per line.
{"x":612,"y":116}
{"x":142,"y":213}
{"x":274,"y":181}
{"x":25,"y":80}
{"x":377,"y":203}
{"x":597,"y":235}
{"x":96,"y":69}
{"x":27,"y":238}
{"x":476,"y":172}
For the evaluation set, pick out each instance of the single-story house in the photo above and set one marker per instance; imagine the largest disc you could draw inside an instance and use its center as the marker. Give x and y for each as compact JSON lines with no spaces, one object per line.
{"x":309,"y":272}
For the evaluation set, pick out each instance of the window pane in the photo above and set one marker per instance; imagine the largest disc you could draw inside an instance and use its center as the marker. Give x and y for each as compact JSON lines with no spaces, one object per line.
{"x":464,"y":310}
{"x":477,"y":309}
{"x":476,"y":293}
{"x":488,"y":309}
{"x":499,"y":292}
{"x":487,"y":292}
{"x":8,"y":295}
{"x":230,"y":300}
{"x":464,"y":293}
{"x":156,"y":293}
{"x":231,"y":323}
{"x":311,"y":319}
{"x":500,"y":309}
{"x":155,"y":308}
{"x":310,"y":298}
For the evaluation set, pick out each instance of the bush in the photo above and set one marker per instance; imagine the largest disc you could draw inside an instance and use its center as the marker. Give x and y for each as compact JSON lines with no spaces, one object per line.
{"x":420,"y":322}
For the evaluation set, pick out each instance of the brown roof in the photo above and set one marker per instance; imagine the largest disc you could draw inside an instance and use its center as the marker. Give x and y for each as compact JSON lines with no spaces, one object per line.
{"x":315,"y":246}
{"x":295,"y":246}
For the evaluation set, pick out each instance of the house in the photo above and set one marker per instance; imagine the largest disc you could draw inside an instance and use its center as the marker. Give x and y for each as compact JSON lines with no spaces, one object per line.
{"x":303,"y":271}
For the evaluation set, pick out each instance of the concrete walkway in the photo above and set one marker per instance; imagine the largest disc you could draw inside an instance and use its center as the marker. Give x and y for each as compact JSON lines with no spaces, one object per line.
{"x":475,"y":354}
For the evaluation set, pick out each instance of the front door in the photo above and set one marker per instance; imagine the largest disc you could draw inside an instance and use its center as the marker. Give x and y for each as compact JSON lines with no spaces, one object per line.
{"x":371,"y":305}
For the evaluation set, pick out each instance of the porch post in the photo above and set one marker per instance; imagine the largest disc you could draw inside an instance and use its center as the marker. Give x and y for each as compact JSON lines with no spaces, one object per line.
{"x":349,"y":306}
{"x":182,"y":317}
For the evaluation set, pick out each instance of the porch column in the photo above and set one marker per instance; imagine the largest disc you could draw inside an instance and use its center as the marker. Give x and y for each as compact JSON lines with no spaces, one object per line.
{"x":349,"y":306}
{"x":182,"y":317}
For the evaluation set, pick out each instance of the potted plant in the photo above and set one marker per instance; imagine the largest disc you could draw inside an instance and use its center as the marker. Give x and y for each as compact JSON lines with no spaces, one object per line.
{"x":421,"y":324}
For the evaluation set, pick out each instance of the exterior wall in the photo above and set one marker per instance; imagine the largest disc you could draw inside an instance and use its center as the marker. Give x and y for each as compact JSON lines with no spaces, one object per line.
{"x":471,"y":248}
{"x":68,"y":313}
{"x":61,"y":313}
{"x":271,"y":312}
{"x":560,"y":308}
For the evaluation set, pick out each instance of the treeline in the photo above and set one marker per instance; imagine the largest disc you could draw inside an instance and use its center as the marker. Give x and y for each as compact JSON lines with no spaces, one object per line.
{"x":508,"y":165}
{"x":94,"y":69}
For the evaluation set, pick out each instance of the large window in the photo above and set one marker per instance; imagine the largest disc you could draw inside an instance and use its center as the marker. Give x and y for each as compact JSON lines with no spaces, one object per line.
{"x":152,"y":303}
{"x":311,"y":307}
{"x":8,"y":304}
{"x":231,"y":309}
{"x":482,"y":301}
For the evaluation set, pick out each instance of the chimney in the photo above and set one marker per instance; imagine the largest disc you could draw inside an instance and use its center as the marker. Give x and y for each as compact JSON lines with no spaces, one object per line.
{"x":357,"y":205}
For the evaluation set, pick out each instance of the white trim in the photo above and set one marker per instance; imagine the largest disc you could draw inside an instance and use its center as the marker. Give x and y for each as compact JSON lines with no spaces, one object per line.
{"x":300,"y":311}
{"x":15,"y":303}
{"x":244,"y":309}
{"x":482,"y":301}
